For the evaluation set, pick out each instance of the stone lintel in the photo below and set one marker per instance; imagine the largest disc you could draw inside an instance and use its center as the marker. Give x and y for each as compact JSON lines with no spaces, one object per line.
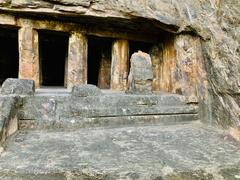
{"x":29,"y":55}
{"x":77,"y":60}
{"x":120,"y":67}
{"x":7,"y":20}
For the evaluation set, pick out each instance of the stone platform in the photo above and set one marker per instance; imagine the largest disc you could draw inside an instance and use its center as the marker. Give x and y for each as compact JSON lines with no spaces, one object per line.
{"x":58,"y":134}
{"x":58,"y":108}
{"x":190,"y":151}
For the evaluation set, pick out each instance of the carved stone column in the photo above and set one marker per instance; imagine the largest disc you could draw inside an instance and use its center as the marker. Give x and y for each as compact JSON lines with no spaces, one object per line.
{"x":77,"y":60}
{"x":120,"y":65}
{"x":29,"y":55}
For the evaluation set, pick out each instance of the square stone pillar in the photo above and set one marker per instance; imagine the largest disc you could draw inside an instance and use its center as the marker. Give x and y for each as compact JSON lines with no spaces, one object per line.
{"x":77,"y":60}
{"x":120,"y":65}
{"x":29,"y":55}
{"x":190,"y":76}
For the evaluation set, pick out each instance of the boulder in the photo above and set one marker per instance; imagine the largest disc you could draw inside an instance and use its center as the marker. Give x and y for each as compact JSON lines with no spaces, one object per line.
{"x":18,"y":86}
{"x":86,"y":90}
{"x":141,"y":74}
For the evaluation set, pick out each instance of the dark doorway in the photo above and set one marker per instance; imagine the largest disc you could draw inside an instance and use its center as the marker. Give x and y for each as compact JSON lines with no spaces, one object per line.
{"x":9,"y":56}
{"x":99,"y":61}
{"x":53,"y":52}
{"x":136,"y":46}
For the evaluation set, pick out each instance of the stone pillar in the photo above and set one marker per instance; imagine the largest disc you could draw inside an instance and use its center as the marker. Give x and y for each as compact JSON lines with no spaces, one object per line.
{"x":120,"y":65}
{"x":168,"y":66}
{"x":156,"y":54}
{"x":29,"y":55}
{"x":190,"y":77}
{"x":77,"y":60}
{"x":104,"y":76}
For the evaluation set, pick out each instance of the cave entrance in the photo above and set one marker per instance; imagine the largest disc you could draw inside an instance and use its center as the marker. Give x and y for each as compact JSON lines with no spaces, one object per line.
{"x":9,"y":56}
{"x":99,"y":61}
{"x":53,"y":52}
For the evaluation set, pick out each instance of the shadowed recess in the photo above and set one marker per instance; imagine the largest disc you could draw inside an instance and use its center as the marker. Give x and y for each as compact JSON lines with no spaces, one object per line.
{"x":8,"y":54}
{"x":99,"y":61}
{"x":53,"y":47}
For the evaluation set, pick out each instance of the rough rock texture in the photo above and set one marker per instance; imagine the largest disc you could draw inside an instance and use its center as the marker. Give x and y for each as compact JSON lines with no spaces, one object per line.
{"x":121,"y":9}
{"x":215,"y":21}
{"x":222,"y":53}
{"x":18,"y":87}
{"x":8,"y":116}
{"x":141,"y":74}
{"x":86,"y":91}
{"x":152,"y":152}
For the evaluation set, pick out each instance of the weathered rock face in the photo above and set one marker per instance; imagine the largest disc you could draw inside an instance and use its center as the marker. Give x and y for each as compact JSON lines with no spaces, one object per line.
{"x":18,"y":86}
{"x":222,"y":58}
{"x":8,"y":116}
{"x":102,"y":8}
{"x":141,"y":74}
{"x":215,"y":22}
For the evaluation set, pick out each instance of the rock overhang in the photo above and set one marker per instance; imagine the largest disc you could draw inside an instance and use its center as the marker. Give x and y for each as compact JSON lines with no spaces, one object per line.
{"x":139,"y":17}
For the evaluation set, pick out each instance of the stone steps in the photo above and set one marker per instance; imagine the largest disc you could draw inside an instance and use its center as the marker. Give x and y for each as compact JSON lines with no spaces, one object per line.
{"x":113,"y":122}
{"x":114,"y":117}
{"x":189,"y":151}
{"x":62,"y":110}
{"x":112,"y":98}
{"x":136,"y":111}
